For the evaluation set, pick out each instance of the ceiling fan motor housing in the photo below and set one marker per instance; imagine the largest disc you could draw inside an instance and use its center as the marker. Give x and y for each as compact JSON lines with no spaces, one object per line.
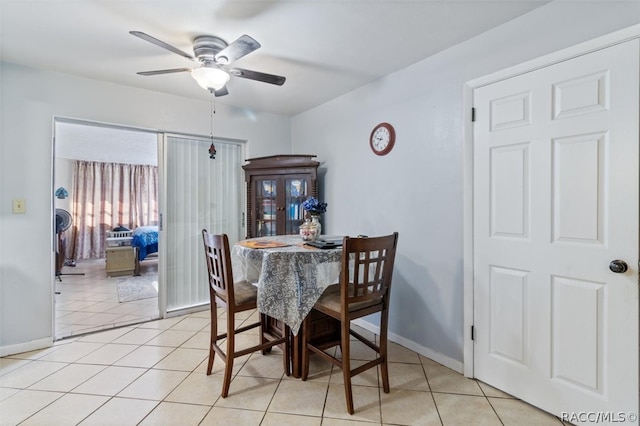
{"x":207,"y":47}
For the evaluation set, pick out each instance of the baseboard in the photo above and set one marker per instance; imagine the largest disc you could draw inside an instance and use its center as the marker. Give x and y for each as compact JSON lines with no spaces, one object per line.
{"x":429,"y":353}
{"x":26,"y":347}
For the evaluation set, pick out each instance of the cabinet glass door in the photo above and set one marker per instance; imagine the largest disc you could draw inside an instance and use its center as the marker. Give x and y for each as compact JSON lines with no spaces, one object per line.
{"x":265,"y":209}
{"x":295,"y":194}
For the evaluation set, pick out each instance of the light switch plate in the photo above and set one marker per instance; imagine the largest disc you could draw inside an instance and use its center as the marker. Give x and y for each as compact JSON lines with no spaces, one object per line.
{"x":19,"y":205}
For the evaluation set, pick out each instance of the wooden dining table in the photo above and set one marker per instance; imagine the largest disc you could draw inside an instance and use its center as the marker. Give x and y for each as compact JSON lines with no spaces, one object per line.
{"x":290,"y":276}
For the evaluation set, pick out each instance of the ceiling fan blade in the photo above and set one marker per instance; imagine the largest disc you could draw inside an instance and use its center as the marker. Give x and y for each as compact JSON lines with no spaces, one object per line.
{"x":164,"y":71}
{"x":258,"y":76}
{"x":237,"y":49}
{"x":161,"y":43}
{"x":221,"y":92}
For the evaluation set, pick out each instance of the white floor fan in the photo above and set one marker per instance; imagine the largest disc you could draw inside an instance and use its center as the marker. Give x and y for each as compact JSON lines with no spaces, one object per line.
{"x":63,"y":222}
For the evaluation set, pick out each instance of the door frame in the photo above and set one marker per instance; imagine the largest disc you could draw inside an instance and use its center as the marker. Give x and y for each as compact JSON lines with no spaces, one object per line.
{"x":621,"y":36}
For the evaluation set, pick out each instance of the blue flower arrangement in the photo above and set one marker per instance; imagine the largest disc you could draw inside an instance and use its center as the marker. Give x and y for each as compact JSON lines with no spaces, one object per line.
{"x":313,"y":206}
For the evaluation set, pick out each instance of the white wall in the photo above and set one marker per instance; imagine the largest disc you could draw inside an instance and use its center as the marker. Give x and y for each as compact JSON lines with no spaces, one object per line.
{"x":29,"y":101}
{"x":417,"y":188}
{"x":94,"y":142}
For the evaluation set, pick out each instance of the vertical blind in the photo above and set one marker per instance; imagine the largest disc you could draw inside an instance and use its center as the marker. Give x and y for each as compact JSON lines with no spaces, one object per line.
{"x":201,"y":193}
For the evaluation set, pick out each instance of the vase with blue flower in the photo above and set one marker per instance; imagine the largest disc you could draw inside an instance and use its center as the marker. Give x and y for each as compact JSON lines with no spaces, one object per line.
{"x":311,"y":229}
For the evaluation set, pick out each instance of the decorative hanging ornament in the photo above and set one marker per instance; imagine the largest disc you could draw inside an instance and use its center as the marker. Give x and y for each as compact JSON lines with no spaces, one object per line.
{"x":212,"y":151}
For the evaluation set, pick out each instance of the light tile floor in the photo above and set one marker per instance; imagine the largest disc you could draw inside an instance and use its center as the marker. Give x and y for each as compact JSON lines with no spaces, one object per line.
{"x":89,"y":302}
{"x":154,"y":373}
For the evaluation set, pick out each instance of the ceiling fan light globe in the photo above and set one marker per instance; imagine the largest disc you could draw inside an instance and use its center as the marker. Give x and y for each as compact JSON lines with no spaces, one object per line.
{"x":210,"y":78}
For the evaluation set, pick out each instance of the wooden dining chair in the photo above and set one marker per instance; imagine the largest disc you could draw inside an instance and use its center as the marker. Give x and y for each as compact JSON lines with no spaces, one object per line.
{"x":235,"y":297}
{"x":364,"y":288}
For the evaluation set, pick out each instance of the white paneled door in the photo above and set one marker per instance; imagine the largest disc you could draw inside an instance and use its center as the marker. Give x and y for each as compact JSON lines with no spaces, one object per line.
{"x":555,"y":223}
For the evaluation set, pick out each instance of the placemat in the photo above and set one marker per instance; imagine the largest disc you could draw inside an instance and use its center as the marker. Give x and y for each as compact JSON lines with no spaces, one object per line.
{"x":258,"y":244}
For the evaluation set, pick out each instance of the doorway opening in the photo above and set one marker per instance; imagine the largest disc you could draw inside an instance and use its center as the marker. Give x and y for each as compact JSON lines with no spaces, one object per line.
{"x":105,"y":188}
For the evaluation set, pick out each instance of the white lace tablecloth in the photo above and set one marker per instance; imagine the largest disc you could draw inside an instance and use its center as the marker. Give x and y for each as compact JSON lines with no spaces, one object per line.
{"x":290,"y":279}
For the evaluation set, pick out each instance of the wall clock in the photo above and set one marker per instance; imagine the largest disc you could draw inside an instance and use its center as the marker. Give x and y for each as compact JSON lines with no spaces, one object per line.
{"x":382,"y":138}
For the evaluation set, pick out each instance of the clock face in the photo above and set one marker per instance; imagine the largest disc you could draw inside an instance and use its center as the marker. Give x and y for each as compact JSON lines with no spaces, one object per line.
{"x":382,"y":138}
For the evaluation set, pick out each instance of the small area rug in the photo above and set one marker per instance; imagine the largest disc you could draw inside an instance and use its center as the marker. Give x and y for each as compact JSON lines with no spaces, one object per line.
{"x":135,"y":288}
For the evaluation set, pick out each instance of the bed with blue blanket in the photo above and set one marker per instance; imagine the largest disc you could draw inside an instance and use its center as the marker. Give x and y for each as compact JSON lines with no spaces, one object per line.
{"x":145,"y":240}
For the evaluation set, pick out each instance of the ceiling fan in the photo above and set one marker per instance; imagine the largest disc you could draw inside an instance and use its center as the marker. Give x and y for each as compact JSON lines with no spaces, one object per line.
{"x":214,"y":56}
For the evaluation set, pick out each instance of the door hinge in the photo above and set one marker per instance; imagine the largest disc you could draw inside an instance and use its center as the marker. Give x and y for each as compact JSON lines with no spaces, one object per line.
{"x":473,"y":115}
{"x":160,"y":220}
{"x":473,"y":333}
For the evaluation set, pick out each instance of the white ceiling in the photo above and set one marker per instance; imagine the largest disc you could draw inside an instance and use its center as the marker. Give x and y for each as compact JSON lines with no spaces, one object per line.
{"x":324,"y":48}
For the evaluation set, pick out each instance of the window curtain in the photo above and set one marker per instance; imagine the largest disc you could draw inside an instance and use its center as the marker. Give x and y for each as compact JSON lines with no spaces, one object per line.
{"x":106,"y":195}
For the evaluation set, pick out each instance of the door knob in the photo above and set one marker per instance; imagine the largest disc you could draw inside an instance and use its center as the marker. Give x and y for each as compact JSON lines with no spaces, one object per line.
{"x":618,"y":266}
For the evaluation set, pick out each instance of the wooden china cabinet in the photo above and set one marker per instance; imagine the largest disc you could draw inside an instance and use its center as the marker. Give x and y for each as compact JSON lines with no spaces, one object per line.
{"x":276,"y":188}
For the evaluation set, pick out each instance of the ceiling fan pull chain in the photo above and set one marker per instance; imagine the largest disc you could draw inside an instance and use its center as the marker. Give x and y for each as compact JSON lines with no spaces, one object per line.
{"x":212,"y":107}
{"x":212,"y":148}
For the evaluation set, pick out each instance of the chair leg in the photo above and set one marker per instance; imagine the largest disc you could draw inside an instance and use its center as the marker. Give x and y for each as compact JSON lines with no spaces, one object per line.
{"x":346,"y":365}
{"x":214,"y":336}
{"x":231,"y":348}
{"x":384,"y":369}
{"x":263,"y":326}
{"x":286,"y":356}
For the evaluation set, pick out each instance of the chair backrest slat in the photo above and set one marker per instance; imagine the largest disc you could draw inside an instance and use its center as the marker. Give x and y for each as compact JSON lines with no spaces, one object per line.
{"x":217,"y":256}
{"x":367,"y":267}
